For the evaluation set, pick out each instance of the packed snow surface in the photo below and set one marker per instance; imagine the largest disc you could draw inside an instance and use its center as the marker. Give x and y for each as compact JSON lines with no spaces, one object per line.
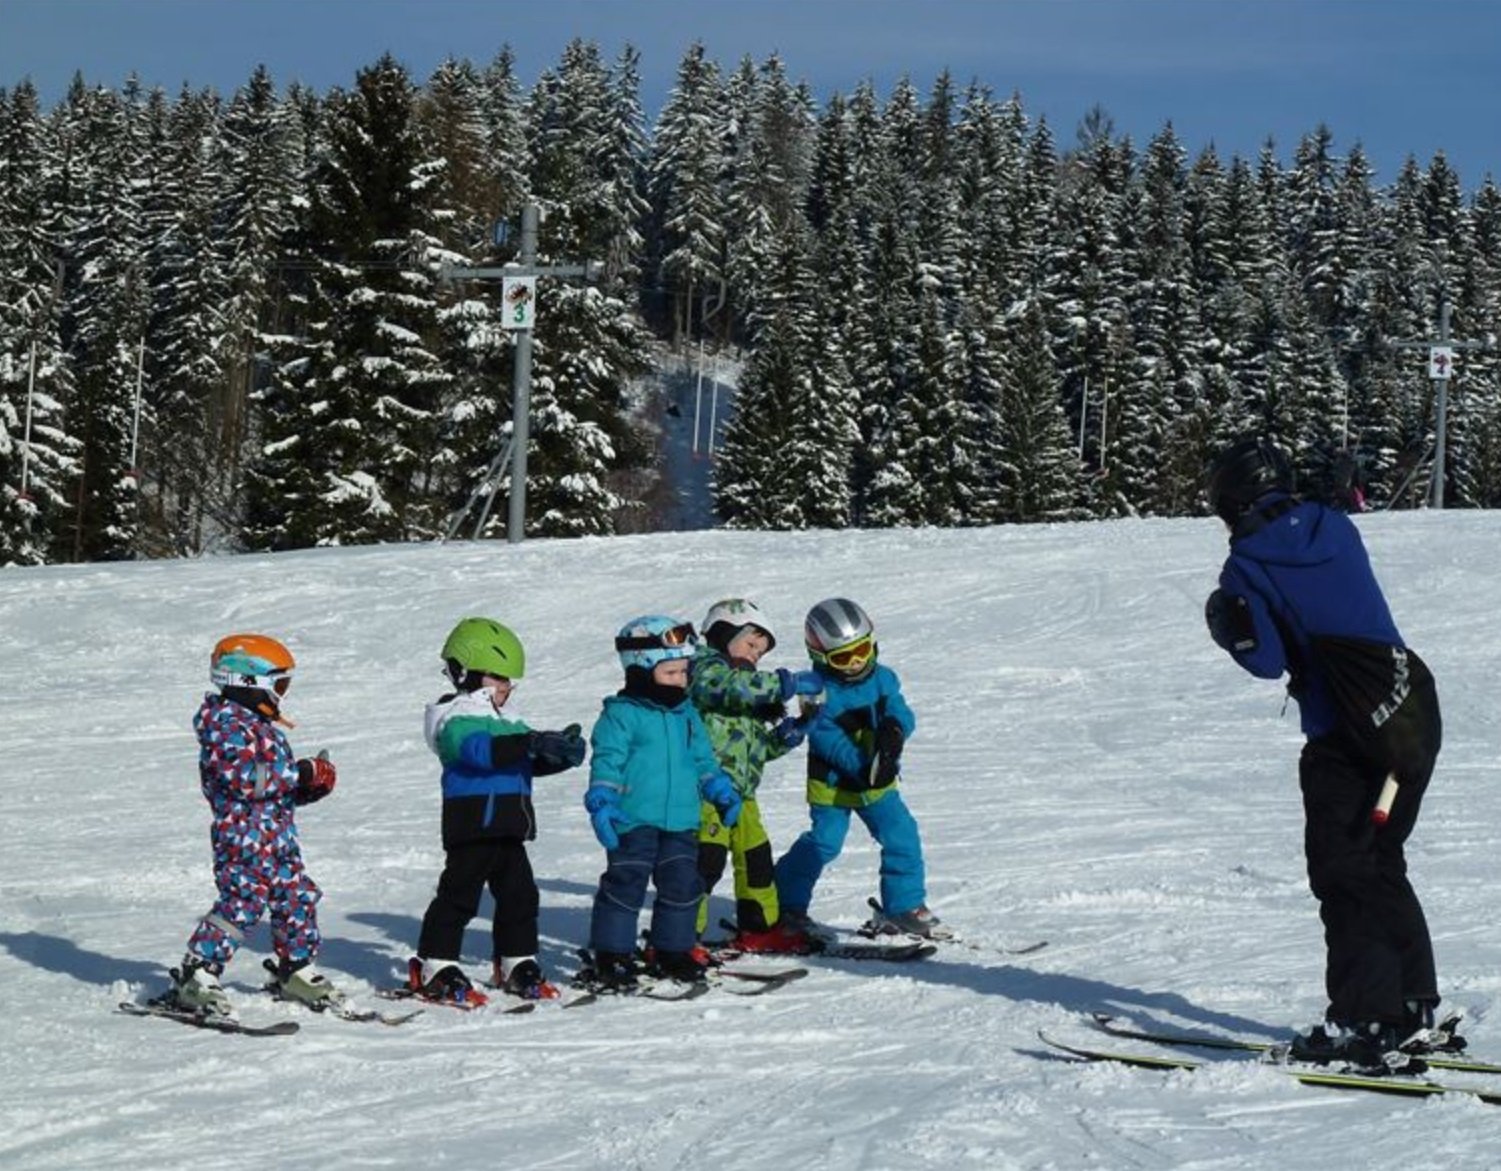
{"x":1088,"y":769}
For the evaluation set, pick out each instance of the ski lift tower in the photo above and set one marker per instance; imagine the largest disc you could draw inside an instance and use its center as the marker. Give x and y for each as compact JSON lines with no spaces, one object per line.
{"x":518,"y":297}
{"x":1440,"y":370}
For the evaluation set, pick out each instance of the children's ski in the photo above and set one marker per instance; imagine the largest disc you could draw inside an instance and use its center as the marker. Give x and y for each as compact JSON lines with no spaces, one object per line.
{"x":880,"y":927}
{"x":751,"y":982}
{"x":218,"y":1024}
{"x":1272,"y":1050}
{"x":342,"y":1010}
{"x":405,"y":993}
{"x":646,"y":987}
{"x":1388,"y":1084}
{"x":828,"y":944}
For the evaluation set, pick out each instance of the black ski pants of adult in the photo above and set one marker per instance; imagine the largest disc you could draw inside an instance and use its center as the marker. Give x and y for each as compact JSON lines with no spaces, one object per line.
{"x":502,"y":865}
{"x":1379,"y":951}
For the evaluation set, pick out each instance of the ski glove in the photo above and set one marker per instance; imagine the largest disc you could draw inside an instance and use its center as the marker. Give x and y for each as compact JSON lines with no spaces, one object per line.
{"x":562,"y":750}
{"x":886,"y":764}
{"x":790,"y":731}
{"x":798,"y":683}
{"x":603,"y":804}
{"x":1230,"y":622}
{"x":719,"y":791}
{"x":315,"y":779}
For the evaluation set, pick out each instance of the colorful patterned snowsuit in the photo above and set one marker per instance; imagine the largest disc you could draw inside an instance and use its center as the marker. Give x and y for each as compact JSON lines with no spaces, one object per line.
{"x":249,"y":777}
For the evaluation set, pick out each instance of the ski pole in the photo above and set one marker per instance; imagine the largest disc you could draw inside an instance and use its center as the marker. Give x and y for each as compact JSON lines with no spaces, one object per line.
{"x":1383,"y":809}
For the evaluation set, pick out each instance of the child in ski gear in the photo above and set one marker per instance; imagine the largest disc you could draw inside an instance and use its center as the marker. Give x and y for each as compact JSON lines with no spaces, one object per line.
{"x":254,"y":785}
{"x":489,"y":756}
{"x":1297,"y":595}
{"x":745,"y":711}
{"x":854,"y":763}
{"x":652,"y":765}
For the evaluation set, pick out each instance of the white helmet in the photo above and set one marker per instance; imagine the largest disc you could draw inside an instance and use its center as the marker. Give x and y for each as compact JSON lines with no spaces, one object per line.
{"x":735,"y":614}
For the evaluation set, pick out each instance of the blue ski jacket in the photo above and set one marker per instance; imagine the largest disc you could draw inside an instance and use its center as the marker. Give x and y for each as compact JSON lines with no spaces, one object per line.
{"x":1303,"y":572}
{"x":657,"y":758}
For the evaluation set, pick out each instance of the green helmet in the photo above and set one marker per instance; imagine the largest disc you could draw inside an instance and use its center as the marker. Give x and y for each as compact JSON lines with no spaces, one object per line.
{"x":483,"y":646}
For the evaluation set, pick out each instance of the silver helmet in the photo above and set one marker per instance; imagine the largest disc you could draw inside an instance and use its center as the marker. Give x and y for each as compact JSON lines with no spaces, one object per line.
{"x":836,"y":622}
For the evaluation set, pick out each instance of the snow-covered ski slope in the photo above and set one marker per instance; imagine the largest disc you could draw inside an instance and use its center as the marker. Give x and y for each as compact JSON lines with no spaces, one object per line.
{"x":1088,"y":768}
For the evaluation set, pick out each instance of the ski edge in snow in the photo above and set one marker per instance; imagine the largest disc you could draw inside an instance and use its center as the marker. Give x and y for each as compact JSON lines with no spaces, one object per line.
{"x":1275,"y":1051}
{"x":1394,"y":1084}
{"x":213,"y":1024}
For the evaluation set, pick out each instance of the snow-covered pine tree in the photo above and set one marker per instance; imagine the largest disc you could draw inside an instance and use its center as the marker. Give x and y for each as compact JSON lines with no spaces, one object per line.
{"x":589,"y":343}
{"x":106,"y":306}
{"x":464,"y":197}
{"x":187,"y":335}
{"x":1479,"y":483}
{"x":687,"y":204}
{"x":35,"y":372}
{"x":353,"y":412}
{"x":758,"y":481}
{"x":1039,"y":479}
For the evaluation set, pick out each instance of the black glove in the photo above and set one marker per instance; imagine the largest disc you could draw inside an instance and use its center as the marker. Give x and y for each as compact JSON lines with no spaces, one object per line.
{"x":889,"y":738}
{"x":563,"y":749}
{"x":886,"y":764}
{"x":1230,"y":623}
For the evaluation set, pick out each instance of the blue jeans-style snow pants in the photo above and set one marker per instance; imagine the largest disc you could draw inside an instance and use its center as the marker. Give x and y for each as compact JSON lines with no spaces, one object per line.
{"x":669,"y":861}
{"x":892,"y":825}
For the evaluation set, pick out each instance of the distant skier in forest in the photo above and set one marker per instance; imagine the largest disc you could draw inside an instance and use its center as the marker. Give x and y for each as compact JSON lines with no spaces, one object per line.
{"x":489,"y":756}
{"x":745,"y":710}
{"x":254,"y":785}
{"x":1297,"y":595}
{"x":854,"y":764}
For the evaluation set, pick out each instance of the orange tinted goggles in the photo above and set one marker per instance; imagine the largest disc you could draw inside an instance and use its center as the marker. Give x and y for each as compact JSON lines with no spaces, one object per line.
{"x":852,"y":657}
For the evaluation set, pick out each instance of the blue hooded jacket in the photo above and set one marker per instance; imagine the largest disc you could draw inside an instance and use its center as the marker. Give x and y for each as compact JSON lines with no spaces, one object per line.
{"x":1303,"y":573}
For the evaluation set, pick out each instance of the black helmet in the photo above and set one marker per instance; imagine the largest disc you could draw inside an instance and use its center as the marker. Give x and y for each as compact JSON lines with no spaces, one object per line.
{"x":1245,"y":472}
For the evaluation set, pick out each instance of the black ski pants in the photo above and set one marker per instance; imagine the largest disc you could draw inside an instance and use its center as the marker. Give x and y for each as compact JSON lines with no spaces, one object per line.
{"x":502,"y":865}
{"x":1379,"y":950}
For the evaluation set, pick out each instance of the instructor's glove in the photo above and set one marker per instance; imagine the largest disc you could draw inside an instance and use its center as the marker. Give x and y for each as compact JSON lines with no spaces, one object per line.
{"x":562,"y":750}
{"x":798,"y":683}
{"x":315,"y":779}
{"x":719,"y":791}
{"x":1230,"y":623}
{"x":603,"y":804}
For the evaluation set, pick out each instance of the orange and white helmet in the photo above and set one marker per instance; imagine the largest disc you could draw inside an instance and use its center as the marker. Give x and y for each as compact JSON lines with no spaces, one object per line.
{"x":256,"y":662}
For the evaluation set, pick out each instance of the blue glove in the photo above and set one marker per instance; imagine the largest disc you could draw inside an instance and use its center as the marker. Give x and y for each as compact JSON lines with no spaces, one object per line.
{"x":719,"y":791}
{"x":798,"y":683}
{"x":603,"y":804}
{"x":790,"y":732}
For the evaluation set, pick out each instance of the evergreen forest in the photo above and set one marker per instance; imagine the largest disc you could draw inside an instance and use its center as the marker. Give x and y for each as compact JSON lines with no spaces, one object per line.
{"x":235,"y":323}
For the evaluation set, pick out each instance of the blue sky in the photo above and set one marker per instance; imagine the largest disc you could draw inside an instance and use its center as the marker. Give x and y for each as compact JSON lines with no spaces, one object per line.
{"x":1400,"y":76}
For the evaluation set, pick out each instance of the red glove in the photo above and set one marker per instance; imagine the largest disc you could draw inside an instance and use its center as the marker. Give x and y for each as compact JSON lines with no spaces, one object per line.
{"x":315,"y":779}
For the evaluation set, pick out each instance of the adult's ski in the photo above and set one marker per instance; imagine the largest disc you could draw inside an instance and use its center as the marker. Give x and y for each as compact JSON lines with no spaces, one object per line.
{"x":1272,"y":1050}
{"x":1390,"y":1084}
{"x":218,"y":1024}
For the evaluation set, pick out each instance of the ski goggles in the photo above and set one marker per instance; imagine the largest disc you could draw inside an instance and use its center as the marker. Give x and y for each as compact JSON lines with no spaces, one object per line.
{"x":852,"y":657}
{"x":674,"y":636}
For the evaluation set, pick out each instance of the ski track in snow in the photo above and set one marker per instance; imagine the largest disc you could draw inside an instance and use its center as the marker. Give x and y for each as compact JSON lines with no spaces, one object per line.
{"x":1089,"y":769}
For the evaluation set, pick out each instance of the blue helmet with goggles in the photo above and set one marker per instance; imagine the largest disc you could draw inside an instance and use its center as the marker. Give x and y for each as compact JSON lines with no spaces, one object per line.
{"x":653,"y":639}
